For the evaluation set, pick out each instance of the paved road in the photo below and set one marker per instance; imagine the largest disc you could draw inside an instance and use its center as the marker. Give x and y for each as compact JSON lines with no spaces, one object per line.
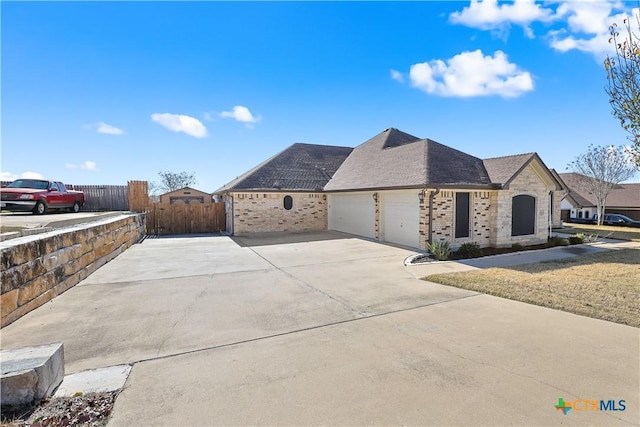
{"x":325,"y":329}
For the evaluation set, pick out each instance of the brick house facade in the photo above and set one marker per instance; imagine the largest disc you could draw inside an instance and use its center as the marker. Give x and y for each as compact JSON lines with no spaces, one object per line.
{"x":399,"y":189}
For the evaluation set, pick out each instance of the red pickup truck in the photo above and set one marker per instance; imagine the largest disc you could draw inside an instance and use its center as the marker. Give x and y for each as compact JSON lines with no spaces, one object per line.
{"x":38,"y":196}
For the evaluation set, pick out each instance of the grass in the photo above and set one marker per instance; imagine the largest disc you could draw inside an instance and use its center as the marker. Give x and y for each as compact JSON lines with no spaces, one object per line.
{"x":608,"y":231}
{"x":603,"y":285}
{"x":9,"y":228}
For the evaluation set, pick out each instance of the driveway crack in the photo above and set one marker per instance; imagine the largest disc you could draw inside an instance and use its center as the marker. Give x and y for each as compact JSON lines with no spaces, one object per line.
{"x":357,"y":313}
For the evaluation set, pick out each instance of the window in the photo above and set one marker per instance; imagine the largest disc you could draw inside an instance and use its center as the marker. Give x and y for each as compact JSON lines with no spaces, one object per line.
{"x":462,"y":215}
{"x":586,"y":214}
{"x":54,"y":186}
{"x":288,"y":202}
{"x":523,"y":215}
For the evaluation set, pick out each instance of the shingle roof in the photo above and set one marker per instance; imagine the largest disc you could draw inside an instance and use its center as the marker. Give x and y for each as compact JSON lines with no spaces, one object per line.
{"x":298,"y":167}
{"x":622,"y":195}
{"x":396,"y":159}
{"x":502,"y":169}
{"x":391,"y":159}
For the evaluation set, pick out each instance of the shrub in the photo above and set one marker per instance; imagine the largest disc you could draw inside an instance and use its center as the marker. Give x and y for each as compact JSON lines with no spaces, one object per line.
{"x":517,"y":247}
{"x":557,"y":241}
{"x":440,"y":250}
{"x":470,"y":250}
{"x":591,"y":238}
{"x":576,"y":239}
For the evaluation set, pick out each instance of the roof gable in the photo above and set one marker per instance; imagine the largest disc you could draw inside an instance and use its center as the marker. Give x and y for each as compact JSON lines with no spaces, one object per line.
{"x":181,"y":191}
{"x":621,"y":195}
{"x":395,"y":159}
{"x":503,"y":170}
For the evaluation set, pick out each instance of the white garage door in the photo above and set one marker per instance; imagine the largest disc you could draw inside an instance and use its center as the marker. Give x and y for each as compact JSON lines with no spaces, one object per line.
{"x":352,"y":213}
{"x":400,"y":211}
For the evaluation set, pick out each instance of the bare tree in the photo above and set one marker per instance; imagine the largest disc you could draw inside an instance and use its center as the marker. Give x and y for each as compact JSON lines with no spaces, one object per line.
{"x":623,"y":80}
{"x":170,"y":181}
{"x":604,"y":168}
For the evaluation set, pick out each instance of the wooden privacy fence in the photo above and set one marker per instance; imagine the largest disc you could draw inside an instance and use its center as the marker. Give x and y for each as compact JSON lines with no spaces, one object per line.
{"x":103,"y":197}
{"x":193,"y":218}
{"x":138,"y":196}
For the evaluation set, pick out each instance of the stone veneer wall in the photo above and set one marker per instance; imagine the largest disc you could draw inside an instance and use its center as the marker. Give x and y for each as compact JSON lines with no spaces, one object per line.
{"x":35,"y":269}
{"x":527,"y":182}
{"x":265,"y":212}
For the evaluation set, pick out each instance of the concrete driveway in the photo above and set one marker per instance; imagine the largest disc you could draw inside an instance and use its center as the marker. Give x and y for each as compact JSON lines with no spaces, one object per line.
{"x":323,"y":328}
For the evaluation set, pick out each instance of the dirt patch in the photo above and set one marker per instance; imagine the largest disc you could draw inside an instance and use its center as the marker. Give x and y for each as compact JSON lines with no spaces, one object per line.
{"x":603,"y":285}
{"x":91,"y":409}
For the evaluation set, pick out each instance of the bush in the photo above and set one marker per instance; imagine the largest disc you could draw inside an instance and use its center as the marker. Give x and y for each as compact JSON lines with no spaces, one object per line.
{"x":470,"y":250}
{"x":440,"y":250}
{"x":517,"y":247}
{"x":576,"y":239}
{"x":557,"y":241}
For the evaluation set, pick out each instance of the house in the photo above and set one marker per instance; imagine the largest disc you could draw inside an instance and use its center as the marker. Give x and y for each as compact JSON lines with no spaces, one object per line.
{"x":400,"y":189}
{"x":185,"y":195}
{"x":580,"y":203}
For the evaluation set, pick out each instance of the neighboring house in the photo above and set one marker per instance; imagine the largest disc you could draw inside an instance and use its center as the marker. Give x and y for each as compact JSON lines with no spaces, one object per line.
{"x":580,"y":203}
{"x":400,"y":189}
{"x":185,"y":196}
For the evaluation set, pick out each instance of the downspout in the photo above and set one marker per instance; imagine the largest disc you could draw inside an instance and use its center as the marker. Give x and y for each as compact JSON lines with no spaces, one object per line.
{"x":431,"y":197}
{"x":550,"y":213}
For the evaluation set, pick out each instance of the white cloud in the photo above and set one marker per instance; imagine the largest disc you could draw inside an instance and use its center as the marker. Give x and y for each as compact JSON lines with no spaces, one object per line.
{"x":241,"y":114}
{"x":181,"y":123}
{"x":471,"y":74}
{"x":8,"y":176}
{"x":108,"y":129}
{"x":587,"y":27}
{"x":87,"y":165}
{"x":397,"y":76}
{"x":577,"y":25}
{"x":489,"y":15}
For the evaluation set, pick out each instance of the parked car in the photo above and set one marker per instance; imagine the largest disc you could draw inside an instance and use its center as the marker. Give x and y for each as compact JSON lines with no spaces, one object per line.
{"x":619,"y":220}
{"x":39,"y":196}
{"x":583,"y":220}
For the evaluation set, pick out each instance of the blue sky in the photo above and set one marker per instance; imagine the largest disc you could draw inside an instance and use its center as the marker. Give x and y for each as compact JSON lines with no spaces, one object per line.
{"x":106,"y":92}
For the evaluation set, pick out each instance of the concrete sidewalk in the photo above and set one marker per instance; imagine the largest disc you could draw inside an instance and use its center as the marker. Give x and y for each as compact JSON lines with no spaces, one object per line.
{"x":334,"y":330}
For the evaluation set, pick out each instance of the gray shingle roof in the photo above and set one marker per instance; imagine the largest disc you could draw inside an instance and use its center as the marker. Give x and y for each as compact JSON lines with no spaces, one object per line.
{"x":391,"y":159}
{"x":396,"y":159}
{"x":298,"y":167}
{"x":502,"y":169}
{"x":622,"y":195}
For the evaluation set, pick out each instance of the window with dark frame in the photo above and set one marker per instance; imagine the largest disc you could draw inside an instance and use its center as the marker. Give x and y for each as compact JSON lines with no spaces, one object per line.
{"x":288,"y":203}
{"x":462,"y":214}
{"x":523,"y":215}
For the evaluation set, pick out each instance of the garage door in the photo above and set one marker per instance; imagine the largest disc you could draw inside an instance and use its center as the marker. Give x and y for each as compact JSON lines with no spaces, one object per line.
{"x":400,"y":211}
{"x":352,"y":213}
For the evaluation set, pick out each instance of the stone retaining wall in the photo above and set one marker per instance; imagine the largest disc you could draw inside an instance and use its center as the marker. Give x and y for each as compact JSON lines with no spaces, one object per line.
{"x":35,"y":269}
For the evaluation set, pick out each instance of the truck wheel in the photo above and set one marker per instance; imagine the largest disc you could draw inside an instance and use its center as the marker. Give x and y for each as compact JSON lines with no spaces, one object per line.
{"x":40,"y":208}
{"x":76,"y":207}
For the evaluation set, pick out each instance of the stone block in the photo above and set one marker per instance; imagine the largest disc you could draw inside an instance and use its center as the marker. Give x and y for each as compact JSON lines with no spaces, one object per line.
{"x":30,"y":373}
{"x":9,"y":302}
{"x":18,"y":387}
